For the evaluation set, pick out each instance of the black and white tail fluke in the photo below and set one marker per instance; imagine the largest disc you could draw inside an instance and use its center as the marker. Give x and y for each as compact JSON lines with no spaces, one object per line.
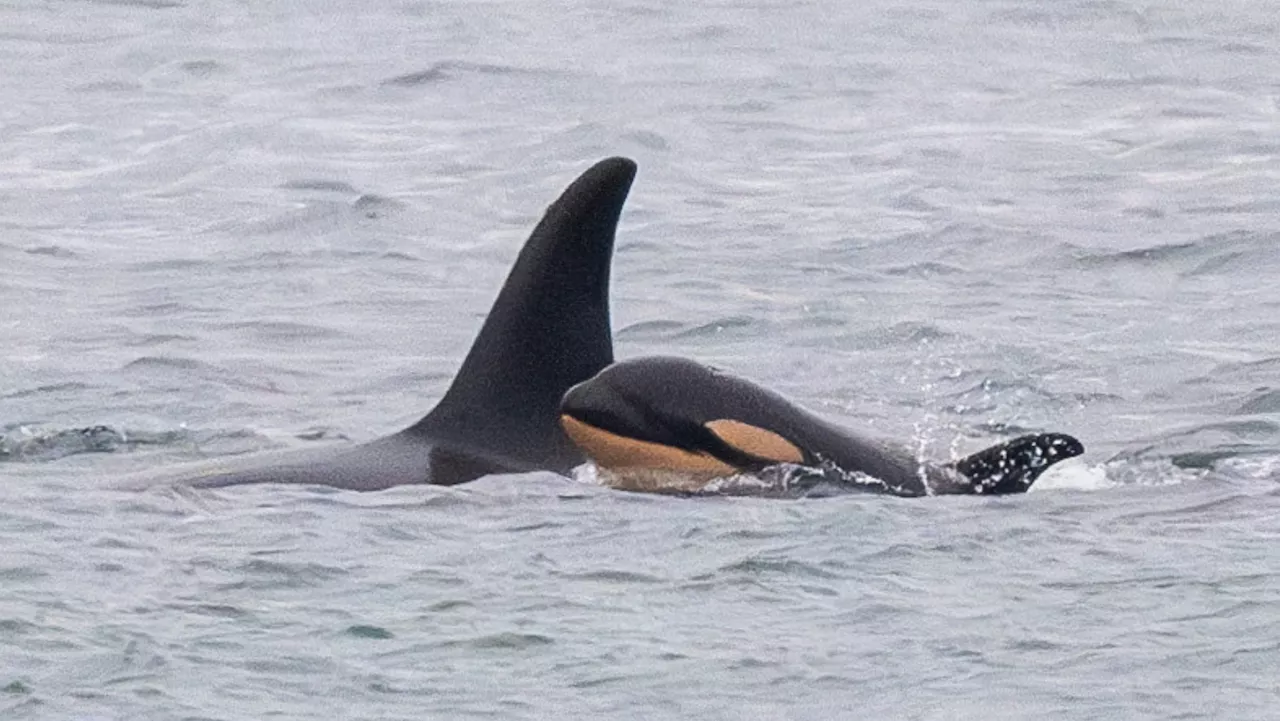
{"x":1013,"y":466}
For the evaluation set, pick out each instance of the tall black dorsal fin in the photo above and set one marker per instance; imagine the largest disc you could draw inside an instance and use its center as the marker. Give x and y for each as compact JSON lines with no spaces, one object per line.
{"x":547,"y":330}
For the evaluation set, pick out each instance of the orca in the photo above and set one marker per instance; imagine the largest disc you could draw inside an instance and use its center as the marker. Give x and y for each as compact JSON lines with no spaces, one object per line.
{"x":547,"y":330}
{"x":665,"y":424}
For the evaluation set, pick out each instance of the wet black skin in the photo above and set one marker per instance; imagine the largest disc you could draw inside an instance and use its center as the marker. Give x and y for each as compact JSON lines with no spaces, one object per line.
{"x":668,"y":400}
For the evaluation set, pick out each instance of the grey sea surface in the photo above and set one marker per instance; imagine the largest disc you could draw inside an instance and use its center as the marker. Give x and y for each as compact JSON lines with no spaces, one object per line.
{"x":235,"y":226}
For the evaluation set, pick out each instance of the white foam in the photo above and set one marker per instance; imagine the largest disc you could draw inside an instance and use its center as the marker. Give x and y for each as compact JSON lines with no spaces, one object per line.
{"x":1072,"y":474}
{"x":1253,"y":467}
{"x":587,"y":474}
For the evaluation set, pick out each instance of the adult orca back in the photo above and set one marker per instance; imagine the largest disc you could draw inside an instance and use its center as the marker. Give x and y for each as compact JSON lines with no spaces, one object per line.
{"x":548,"y":330}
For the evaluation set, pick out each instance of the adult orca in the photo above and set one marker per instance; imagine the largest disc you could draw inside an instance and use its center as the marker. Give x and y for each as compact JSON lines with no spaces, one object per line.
{"x":547,"y":330}
{"x":672,"y":425}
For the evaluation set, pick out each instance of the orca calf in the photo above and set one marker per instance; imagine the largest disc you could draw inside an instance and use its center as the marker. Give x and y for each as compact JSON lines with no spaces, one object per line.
{"x":673,"y":425}
{"x":547,"y":330}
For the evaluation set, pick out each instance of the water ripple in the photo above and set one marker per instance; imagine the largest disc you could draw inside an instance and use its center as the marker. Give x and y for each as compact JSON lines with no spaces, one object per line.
{"x":451,"y":69}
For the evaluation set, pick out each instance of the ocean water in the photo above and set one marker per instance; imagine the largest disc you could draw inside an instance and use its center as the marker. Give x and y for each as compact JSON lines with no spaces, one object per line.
{"x":236,"y":226}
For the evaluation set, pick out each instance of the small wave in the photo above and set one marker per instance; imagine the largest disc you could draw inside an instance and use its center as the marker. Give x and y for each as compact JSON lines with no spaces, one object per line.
{"x":1184,"y":113}
{"x":1155,"y":254}
{"x":765,"y":565}
{"x":215,"y":610}
{"x":925,"y":269}
{"x":372,"y":206}
{"x":149,"y":4}
{"x":996,"y":381}
{"x":651,"y":329}
{"x":27,"y":445}
{"x":201,"y":68}
{"x":147,"y":340}
{"x":1246,"y":428}
{"x":152,"y":310}
{"x":1224,"y":505}
{"x":907,"y":333}
{"x":450,"y":69}
{"x":320,"y":215}
{"x":281,"y":331}
{"x":996,"y":427}
{"x":1141,"y":470}
{"x":648,"y":139}
{"x":1235,"y":252}
{"x":449,"y":605}
{"x":1211,"y":458}
{"x":1259,"y":467}
{"x":261,"y":574}
{"x":44,"y":390}
{"x":1261,"y":207}
{"x":719,"y":326}
{"x":1262,"y":400}
{"x":1261,"y":368}
{"x":1195,"y":453}
{"x":506,"y":641}
{"x":10,"y":627}
{"x":320,"y":184}
{"x":371,"y":632}
{"x":162,"y":366}
{"x":109,"y":86}
{"x":287,"y":258}
{"x":1219,"y":263}
{"x":1239,"y":48}
{"x":22,"y":573}
{"x":165,"y":362}
{"x":171,"y":264}
{"x":1140,"y":81}
{"x":613,"y":576}
{"x":321,"y":434}
{"x":33,"y":446}
{"x":51,"y":251}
